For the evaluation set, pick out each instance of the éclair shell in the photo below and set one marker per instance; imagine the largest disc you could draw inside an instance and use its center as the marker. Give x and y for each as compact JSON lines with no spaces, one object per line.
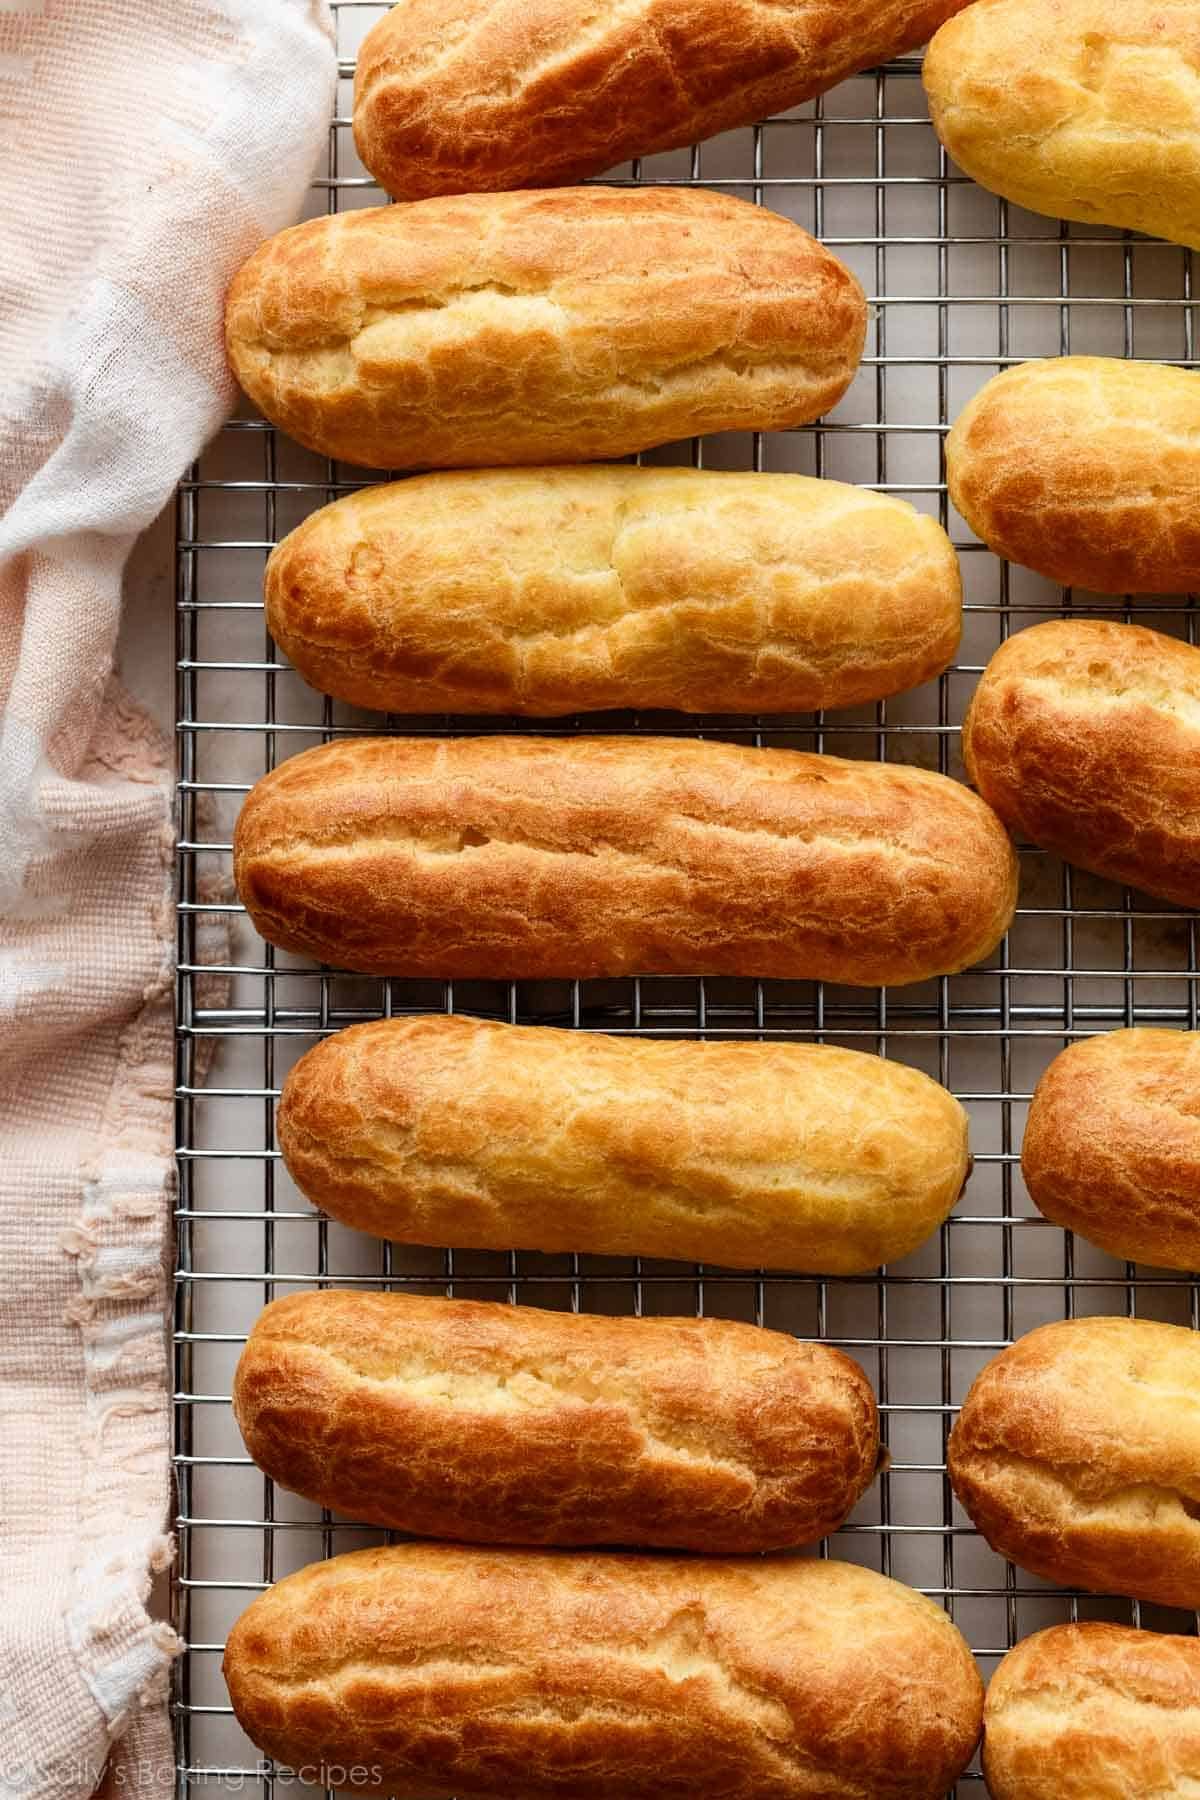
{"x":503,"y":858}
{"x":451,"y":1670}
{"x":1094,"y":1712}
{"x":448,"y":1130}
{"x":538,"y":327}
{"x":1077,"y":1455}
{"x":1084,"y":735}
{"x":551,"y":591}
{"x":486,"y":1423}
{"x":1112,"y":1145}
{"x":1082,"y":109}
{"x":1087,"y":469}
{"x":452,"y":96}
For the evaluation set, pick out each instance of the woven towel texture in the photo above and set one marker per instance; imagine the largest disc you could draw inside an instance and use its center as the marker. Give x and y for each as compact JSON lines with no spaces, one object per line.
{"x":146,"y":147}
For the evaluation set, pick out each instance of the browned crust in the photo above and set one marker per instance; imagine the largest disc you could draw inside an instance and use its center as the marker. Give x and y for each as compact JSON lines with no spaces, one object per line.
{"x":467,"y":95}
{"x":507,"y":857}
{"x":1094,"y":1712}
{"x":552,"y":591}
{"x":1086,"y":469}
{"x":1112,"y":1147}
{"x":486,"y":1673}
{"x":508,"y":1425}
{"x":542,"y":327}
{"x":1082,"y":109}
{"x":1084,"y":734}
{"x":1075,"y":1454}
{"x":449,"y":1130}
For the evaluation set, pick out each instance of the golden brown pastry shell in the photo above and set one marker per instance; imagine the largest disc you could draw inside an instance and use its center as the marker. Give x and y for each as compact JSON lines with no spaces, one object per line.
{"x":453,"y":96}
{"x":448,"y":1130}
{"x":1084,"y":735}
{"x":552,"y":591}
{"x":453,"y":1670}
{"x":1087,"y":469}
{"x":499,"y":1424}
{"x":510,"y":857}
{"x":567,"y":325}
{"x":1081,"y":109}
{"x":1112,"y":1146}
{"x":1077,"y":1455}
{"x":1094,"y":1712}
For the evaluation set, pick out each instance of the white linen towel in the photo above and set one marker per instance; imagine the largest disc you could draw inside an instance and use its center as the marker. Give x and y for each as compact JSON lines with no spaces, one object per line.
{"x":146,"y":147}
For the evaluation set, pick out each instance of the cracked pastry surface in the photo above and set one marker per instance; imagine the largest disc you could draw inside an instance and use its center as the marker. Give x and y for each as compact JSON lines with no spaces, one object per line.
{"x":462,"y":1671}
{"x":1112,"y":1146}
{"x":1077,"y":1455}
{"x":551,"y":591}
{"x":1094,"y":1712}
{"x":500,"y":1424}
{"x":510,"y":857}
{"x":447,"y":1130}
{"x":541,"y":327}
{"x":1084,"y":735}
{"x":453,"y":96}
{"x":1082,"y":109}
{"x":1087,"y":469}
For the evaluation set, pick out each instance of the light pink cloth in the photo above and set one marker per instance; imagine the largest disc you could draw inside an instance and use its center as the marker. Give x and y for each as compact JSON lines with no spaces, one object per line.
{"x":146,"y":146}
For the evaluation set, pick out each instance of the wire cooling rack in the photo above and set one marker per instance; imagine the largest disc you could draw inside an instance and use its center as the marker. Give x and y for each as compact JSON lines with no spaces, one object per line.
{"x":962,"y":284}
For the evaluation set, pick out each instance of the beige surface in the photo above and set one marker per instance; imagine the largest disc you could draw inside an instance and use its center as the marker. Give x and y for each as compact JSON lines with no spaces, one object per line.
{"x":456,"y":97}
{"x":146,"y":642}
{"x":1087,"y":469}
{"x":1083,"y":109}
{"x":1094,"y":1712}
{"x":522,"y":856}
{"x":1076,"y":1454}
{"x":801,"y":1156}
{"x":1084,"y":734}
{"x":475,"y":1672}
{"x":551,"y":591}
{"x":564,"y":326}
{"x":1112,"y":1147}
{"x":494,"y":1424}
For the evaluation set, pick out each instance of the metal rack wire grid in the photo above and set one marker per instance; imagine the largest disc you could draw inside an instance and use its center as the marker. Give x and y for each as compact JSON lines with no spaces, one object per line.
{"x":961,"y":285}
